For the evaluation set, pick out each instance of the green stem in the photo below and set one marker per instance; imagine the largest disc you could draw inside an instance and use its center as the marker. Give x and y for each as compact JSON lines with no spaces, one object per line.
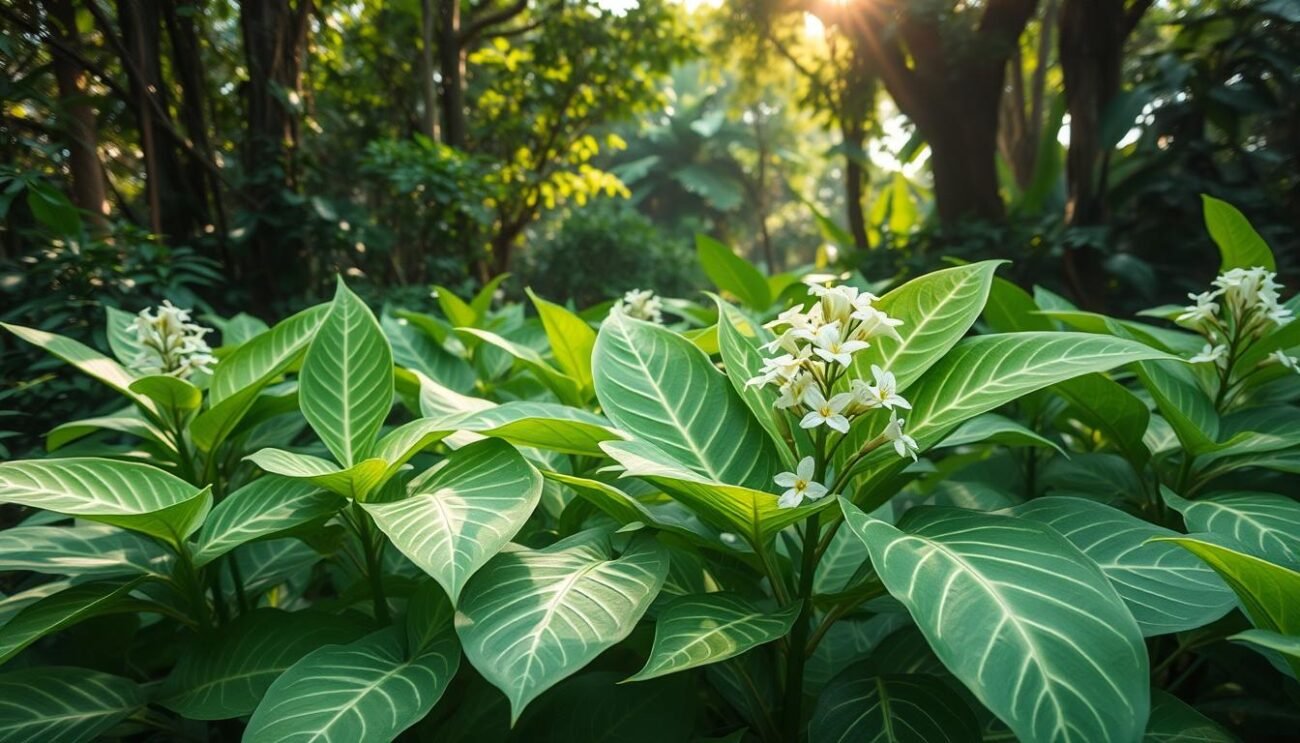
{"x":793,"y":707}
{"x":773,"y":575}
{"x":374,"y":551}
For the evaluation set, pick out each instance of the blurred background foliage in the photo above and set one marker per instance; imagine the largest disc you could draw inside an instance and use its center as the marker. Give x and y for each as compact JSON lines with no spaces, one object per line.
{"x":235,"y":156}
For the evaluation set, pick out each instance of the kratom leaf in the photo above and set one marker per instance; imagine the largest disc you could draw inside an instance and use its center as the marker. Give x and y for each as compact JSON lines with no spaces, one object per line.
{"x":1263,"y":524}
{"x":127,"y":494}
{"x":1181,"y":401}
{"x":127,"y":421}
{"x":266,"y":356}
{"x":83,"y":357}
{"x":84,"y":551}
{"x":1166,"y":589}
{"x":1270,"y":594}
{"x":859,"y":705}
{"x":63,"y":704}
{"x":1285,"y":645}
{"x":1173,"y":721}
{"x":1240,"y":245}
{"x":354,"y":482}
{"x":367,"y":690}
{"x":122,"y":339}
{"x":739,"y":339}
{"x":1110,"y":408}
{"x":459,"y":313}
{"x":1058,"y":656}
{"x":458,"y":516}
{"x":530,"y":618}
{"x":542,"y":425}
{"x":265,"y":507}
{"x":731,"y":273}
{"x":568,"y":389}
{"x":225,"y":675}
{"x":997,"y":429}
{"x":572,"y":340}
{"x":346,"y":382}
{"x":697,"y":630}
{"x":168,"y":392}
{"x":59,"y":610}
{"x":654,"y":385}
{"x":415,"y":350}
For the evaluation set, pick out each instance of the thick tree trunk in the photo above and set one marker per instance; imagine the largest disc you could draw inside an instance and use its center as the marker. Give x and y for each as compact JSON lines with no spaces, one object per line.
{"x":77,"y":117}
{"x":451,"y":65}
{"x":187,"y":64}
{"x":854,"y":198}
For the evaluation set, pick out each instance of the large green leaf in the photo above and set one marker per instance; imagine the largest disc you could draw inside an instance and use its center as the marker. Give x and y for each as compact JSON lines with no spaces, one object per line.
{"x":1166,"y":589}
{"x":1108,"y":407}
{"x":1239,"y":244}
{"x":263,"y":508}
{"x":1182,"y":402}
{"x":346,"y":382}
{"x":268,"y":355}
{"x":657,"y":386}
{"x":1263,"y":524}
{"x":936,"y":309}
{"x":355,"y":482}
{"x":664,"y":513}
{"x":996,"y":429}
{"x":1286,"y":645}
{"x":754,"y":514}
{"x":369,"y":690}
{"x":568,"y":389}
{"x":538,"y":424}
{"x":122,"y":339}
{"x":859,"y":705}
{"x":127,"y":421}
{"x":739,"y":341}
{"x":127,"y":494}
{"x":83,"y":357}
{"x":1173,"y":721}
{"x":225,"y":675}
{"x":706,"y":628}
{"x":458,"y":516}
{"x":1056,"y":654}
{"x":415,"y":350}
{"x":1269,"y":593}
{"x":572,"y":340}
{"x":733,"y":274}
{"x":59,"y":610}
{"x":87,"y":550}
{"x":530,"y":618}
{"x":59,"y":704}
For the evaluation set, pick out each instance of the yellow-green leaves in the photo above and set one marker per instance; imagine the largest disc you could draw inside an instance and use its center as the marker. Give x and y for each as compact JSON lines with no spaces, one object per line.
{"x":1239,"y":244}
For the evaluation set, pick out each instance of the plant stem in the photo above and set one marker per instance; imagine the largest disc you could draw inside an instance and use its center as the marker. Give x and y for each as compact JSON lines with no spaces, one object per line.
{"x":793,"y":707}
{"x":374,"y":551}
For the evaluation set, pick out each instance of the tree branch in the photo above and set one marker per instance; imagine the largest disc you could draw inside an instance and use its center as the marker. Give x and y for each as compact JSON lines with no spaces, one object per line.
{"x":1134,"y":13}
{"x":478,"y":26}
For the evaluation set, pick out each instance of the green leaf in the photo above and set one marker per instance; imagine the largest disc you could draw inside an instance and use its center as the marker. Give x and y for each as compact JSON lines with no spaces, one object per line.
{"x":266,"y":507}
{"x":568,"y":389}
{"x":59,"y":610}
{"x":127,"y":421}
{"x":733,"y":274}
{"x":936,"y":309}
{"x":1166,"y":589}
{"x":1057,"y":656}
{"x":1288,"y":646}
{"x":121,"y":338}
{"x":697,"y":630}
{"x":1270,"y":594}
{"x":738,"y":342}
{"x":356,"y":482}
{"x":658,"y":387}
{"x":666,"y":514}
{"x":1173,"y":721}
{"x":346,"y":382}
{"x":594,"y":707}
{"x":519,"y":619}
{"x":1181,"y":401}
{"x":84,"y":551}
{"x":168,"y":392}
{"x":1109,"y":407}
{"x":127,"y":494}
{"x":1010,"y":309}
{"x":63,"y":704}
{"x":240,"y":329}
{"x":753,"y":514}
{"x":859,"y":705}
{"x":415,"y":350}
{"x":225,"y":675}
{"x":482,"y":301}
{"x":1263,"y":524}
{"x":1239,"y":244}
{"x":367,"y":690}
{"x":458,"y":313}
{"x":572,"y":339}
{"x":84,"y":358}
{"x":997,"y":429}
{"x":539,"y":424}
{"x":266,"y":356}
{"x":459,"y":515}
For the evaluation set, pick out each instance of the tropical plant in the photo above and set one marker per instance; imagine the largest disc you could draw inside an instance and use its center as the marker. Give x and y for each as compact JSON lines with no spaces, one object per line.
{"x":799,"y":517}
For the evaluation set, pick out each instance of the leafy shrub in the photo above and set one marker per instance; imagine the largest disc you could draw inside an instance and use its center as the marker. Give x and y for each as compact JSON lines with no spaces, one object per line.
{"x":810,"y":497}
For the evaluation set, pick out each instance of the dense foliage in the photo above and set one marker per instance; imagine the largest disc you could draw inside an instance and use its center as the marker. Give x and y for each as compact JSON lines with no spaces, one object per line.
{"x":797,"y":511}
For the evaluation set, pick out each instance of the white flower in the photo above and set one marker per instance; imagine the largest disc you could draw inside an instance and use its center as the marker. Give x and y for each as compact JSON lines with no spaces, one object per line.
{"x":885,"y":390}
{"x":782,"y":368}
{"x":170,"y":343}
{"x":829,"y":413}
{"x":872,"y":323}
{"x":832,"y":348}
{"x":837,"y":302}
{"x":1204,"y":311}
{"x":799,"y":484}
{"x":1211,"y":354}
{"x":903,"y":444}
{"x":795,"y":391}
{"x":642,"y":304}
{"x":1287,"y":361}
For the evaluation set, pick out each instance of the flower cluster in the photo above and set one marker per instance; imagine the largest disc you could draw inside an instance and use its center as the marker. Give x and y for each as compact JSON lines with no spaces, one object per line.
{"x":1243,"y":306}
{"x":814,"y":350}
{"x":642,"y":304}
{"x":170,"y":343}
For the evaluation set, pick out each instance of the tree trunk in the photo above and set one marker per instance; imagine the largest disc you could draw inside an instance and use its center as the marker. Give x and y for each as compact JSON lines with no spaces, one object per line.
{"x":854,"y":179}
{"x":77,"y":118}
{"x":451,"y":64}
{"x":961,"y":127}
{"x":428,"y":87}
{"x":187,"y":64}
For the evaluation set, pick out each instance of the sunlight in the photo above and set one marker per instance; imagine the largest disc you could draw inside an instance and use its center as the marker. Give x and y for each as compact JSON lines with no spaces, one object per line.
{"x":812,"y":25}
